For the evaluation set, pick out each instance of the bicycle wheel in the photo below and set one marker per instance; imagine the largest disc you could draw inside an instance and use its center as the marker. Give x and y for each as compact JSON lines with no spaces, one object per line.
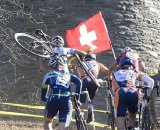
{"x":110,"y":107}
{"x":146,"y":122}
{"x":80,"y":122}
{"x":126,"y":120}
{"x":33,"y":45}
{"x":112,"y":118}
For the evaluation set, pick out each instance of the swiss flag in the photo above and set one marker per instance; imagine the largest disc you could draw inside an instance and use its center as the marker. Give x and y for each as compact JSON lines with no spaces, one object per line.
{"x":91,"y":33}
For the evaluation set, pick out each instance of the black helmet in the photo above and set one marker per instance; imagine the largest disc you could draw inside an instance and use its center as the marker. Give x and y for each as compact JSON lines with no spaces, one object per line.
{"x":90,"y":56}
{"x":126,"y":62}
{"x":57,"y":41}
{"x":56,"y":61}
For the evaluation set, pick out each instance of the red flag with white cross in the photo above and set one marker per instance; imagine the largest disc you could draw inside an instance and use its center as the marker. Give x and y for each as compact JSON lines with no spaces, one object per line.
{"x":91,"y":33}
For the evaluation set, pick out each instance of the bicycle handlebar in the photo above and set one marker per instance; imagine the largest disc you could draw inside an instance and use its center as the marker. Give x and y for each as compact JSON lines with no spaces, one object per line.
{"x":40,"y":33}
{"x":143,"y":87}
{"x":73,"y":94}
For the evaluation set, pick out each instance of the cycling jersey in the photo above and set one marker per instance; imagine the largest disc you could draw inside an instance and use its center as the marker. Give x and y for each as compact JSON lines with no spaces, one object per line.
{"x":93,"y":66}
{"x":59,"y":96}
{"x":133,"y":56}
{"x":128,"y":78}
{"x":125,"y":92}
{"x":87,"y":84}
{"x":65,"y":52}
{"x":59,"y":82}
{"x":124,"y":78}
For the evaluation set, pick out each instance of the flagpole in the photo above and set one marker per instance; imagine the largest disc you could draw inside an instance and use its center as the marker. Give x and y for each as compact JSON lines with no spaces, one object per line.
{"x":113,"y":53}
{"x":108,"y":34}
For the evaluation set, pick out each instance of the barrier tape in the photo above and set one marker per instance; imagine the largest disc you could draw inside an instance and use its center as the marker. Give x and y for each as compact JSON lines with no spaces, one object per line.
{"x":39,"y":116}
{"x":38,"y":107}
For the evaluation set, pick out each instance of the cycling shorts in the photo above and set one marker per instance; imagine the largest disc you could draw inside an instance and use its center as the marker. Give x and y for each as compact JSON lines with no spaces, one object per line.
{"x":125,"y":99}
{"x":90,"y":86}
{"x":61,"y":106}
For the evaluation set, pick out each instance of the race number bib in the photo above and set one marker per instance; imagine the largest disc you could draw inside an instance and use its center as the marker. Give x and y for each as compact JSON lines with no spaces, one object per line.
{"x":63,"y":81}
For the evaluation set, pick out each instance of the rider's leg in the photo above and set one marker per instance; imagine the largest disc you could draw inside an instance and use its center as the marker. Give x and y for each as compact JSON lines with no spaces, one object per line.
{"x":61,"y":126}
{"x":65,"y":115}
{"x":120,"y":108}
{"x":120,"y":121}
{"x":47,"y":123}
{"x":132,"y":119}
{"x":132,"y":107}
{"x":92,"y":89}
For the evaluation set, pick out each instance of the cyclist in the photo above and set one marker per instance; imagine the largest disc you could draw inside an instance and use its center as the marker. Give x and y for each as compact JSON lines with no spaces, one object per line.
{"x":56,"y":45}
{"x":138,"y":63}
{"x":58,"y":101}
{"x":125,"y":93}
{"x":87,"y":84}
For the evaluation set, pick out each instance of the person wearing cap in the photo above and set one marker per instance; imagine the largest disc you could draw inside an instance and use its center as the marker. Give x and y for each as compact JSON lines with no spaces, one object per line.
{"x":58,"y":100}
{"x":127,"y":51}
{"x":125,"y":93}
{"x":57,"y":47}
{"x":87,"y":84}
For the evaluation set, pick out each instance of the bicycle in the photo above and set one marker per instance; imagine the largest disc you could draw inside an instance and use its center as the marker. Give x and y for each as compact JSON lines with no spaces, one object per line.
{"x":88,"y":72}
{"x":109,"y":103}
{"x":154,"y":106}
{"x":80,"y":122}
{"x":144,"y":113}
{"x":40,"y":46}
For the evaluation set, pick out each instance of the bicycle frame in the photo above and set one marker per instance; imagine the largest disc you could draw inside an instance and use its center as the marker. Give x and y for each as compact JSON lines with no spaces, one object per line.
{"x":144,"y":113}
{"x":36,"y":41}
{"x":89,"y":73}
{"x":109,"y":104}
{"x":80,"y":122}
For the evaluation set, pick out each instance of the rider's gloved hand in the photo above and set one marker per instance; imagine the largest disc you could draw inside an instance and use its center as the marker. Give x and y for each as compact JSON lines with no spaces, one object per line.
{"x":39,"y":32}
{"x":108,"y":78}
{"x":79,"y":103}
{"x":45,"y":99}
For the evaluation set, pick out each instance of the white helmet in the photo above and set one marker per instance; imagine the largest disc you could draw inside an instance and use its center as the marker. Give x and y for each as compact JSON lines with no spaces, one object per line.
{"x":90,"y":56}
{"x":57,"y":41}
{"x":126,"y":49}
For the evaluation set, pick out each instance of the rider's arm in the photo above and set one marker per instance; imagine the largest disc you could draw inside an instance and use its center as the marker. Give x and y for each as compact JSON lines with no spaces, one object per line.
{"x":103,"y":68}
{"x":112,"y":66}
{"x":72,"y":51}
{"x":147,"y":80}
{"x":45,"y":88}
{"x":81,"y":53}
{"x":77,"y":82}
{"x":41,"y":65}
{"x":141,"y":65}
{"x":44,"y":92}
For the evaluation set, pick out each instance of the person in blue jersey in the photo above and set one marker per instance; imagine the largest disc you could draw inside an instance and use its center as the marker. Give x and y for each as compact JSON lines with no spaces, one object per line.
{"x":58,"y":101}
{"x":126,"y":95}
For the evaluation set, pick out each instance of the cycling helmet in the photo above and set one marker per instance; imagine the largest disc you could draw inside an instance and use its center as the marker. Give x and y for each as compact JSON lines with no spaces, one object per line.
{"x":88,"y":49}
{"x":90,"y":56}
{"x":56,"y":61}
{"x":126,"y":62}
{"x":57,"y":41}
{"x":126,"y":49}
